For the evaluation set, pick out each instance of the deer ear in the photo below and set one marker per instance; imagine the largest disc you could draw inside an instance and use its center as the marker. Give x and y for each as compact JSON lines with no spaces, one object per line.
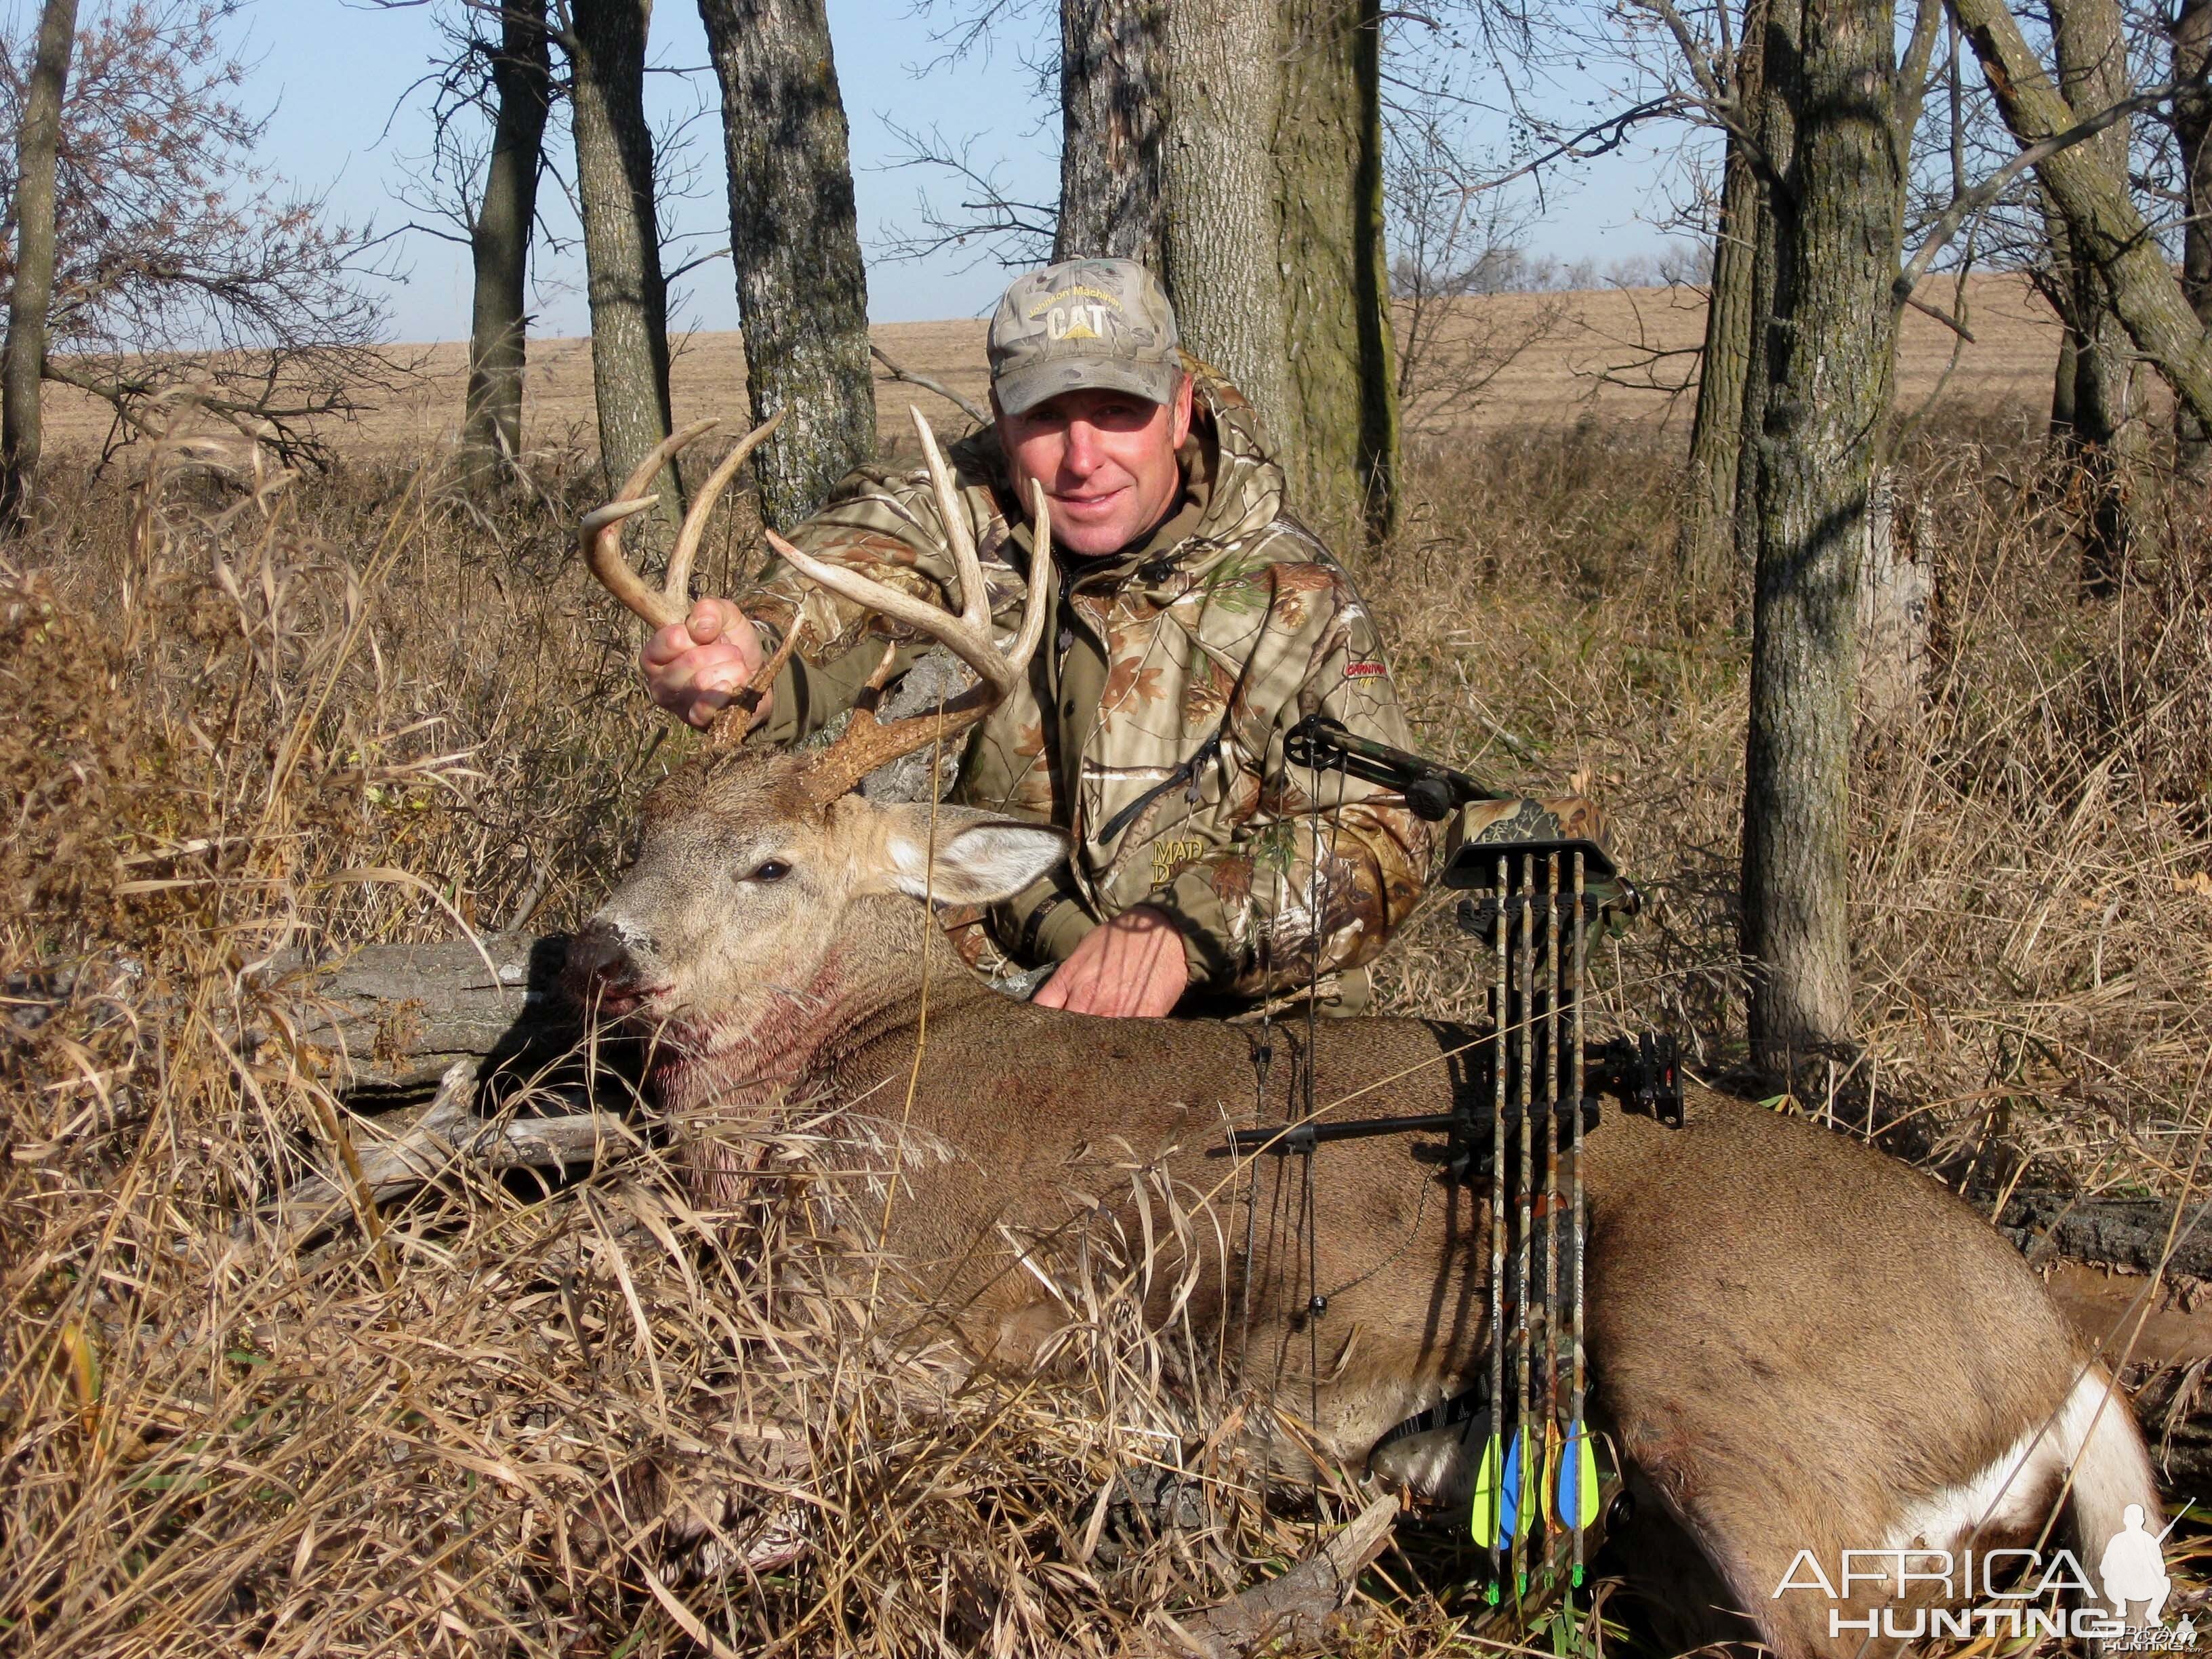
{"x":979,"y":857}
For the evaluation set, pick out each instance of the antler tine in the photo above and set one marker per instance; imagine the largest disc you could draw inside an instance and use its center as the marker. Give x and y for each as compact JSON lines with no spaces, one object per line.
{"x":742,"y":713}
{"x":702,"y":506}
{"x":867,"y":744}
{"x":967,"y":634}
{"x":601,"y":533}
{"x":975,"y":607}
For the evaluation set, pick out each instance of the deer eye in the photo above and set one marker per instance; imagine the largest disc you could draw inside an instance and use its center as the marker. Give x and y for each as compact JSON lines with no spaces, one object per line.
{"x":768,"y":870}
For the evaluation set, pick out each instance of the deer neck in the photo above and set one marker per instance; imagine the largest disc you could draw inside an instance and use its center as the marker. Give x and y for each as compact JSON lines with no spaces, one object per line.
{"x":809,"y":1041}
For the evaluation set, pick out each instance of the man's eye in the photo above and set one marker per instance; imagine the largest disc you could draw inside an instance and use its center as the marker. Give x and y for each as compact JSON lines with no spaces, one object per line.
{"x":768,"y":870}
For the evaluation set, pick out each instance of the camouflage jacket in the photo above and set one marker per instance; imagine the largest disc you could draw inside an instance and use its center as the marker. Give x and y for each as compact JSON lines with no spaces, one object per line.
{"x":1153,"y":720}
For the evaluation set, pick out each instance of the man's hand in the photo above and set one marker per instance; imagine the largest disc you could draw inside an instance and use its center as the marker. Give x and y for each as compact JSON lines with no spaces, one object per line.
{"x":695,"y":667}
{"x":1131,"y":965}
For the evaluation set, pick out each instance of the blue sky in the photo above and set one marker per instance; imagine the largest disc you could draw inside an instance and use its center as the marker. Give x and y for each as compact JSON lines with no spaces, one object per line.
{"x":332,"y":70}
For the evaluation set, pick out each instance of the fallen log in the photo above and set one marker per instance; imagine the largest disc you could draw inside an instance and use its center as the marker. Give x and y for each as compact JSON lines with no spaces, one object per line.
{"x":395,"y":1017}
{"x":400,"y":1152}
{"x":2131,"y":1233}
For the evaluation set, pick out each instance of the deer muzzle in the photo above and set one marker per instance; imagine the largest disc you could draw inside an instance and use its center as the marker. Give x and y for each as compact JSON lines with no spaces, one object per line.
{"x":605,"y":973}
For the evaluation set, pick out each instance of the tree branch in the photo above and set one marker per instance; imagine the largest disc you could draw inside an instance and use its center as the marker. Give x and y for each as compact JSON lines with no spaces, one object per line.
{"x":968,"y":406}
{"x":1964,"y":207}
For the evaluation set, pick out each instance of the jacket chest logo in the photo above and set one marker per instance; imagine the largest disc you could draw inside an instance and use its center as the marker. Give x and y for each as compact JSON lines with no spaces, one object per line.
{"x":1171,"y":855}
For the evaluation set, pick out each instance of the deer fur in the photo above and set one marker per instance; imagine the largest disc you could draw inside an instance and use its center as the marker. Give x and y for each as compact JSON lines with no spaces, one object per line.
{"x":1795,"y":1342}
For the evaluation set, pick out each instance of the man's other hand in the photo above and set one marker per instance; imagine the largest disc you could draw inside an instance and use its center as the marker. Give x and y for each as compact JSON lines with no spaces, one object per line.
{"x":694,"y":667}
{"x":1131,"y":965}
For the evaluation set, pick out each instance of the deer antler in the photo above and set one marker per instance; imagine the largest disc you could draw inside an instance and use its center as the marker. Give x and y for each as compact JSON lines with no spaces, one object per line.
{"x":867,"y":744}
{"x":601,"y":530}
{"x":601,"y":533}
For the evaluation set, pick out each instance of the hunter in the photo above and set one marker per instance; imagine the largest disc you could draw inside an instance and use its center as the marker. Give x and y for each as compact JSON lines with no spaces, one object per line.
{"x":1196,"y":621}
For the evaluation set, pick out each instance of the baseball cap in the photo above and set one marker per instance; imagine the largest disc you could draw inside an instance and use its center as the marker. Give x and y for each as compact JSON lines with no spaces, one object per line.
{"x":1085,"y":323}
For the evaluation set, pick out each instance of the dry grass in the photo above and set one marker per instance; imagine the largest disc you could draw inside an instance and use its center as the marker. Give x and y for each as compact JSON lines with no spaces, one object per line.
{"x":2032,"y":912}
{"x":504,"y":1420}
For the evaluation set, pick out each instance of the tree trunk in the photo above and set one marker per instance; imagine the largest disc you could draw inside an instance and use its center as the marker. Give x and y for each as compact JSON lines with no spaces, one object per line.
{"x":38,"y":148}
{"x":1111,"y":103}
{"x":1705,"y":540}
{"x":795,"y":241}
{"x":522,"y":81}
{"x":2098,"y":434}
{"x":2192,"y":131}
{"x":1838,"y":228}
{"x":622,"y":238}
{"x":1223,"y":85}
{"x":1774,"y":123}
{"x":1343,"y":448}
{"x":1897,"y":592}
{"x":2107,"y":230}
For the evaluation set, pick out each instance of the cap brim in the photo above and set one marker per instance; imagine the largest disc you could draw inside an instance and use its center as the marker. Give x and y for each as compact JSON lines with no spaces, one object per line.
{"x":1020,"y":390}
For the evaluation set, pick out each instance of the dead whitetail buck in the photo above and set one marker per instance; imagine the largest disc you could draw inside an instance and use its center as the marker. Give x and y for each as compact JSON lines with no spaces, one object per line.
{"x":1794,"y":1343}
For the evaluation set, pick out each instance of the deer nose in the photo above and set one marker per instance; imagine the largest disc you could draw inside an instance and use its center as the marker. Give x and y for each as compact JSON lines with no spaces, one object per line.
{"x":601,"y":970}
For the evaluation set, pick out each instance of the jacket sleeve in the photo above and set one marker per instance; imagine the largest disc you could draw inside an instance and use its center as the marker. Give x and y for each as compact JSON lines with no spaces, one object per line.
{"x":1315,"y":873}
{"x":887,"y":528}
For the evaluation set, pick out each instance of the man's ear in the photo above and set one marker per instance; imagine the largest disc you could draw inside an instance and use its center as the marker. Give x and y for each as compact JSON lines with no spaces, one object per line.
{"x":979,"y":857}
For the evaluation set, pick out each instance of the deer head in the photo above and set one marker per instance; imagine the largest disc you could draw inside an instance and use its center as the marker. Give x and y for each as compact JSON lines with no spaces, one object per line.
{"x":769,"y":902}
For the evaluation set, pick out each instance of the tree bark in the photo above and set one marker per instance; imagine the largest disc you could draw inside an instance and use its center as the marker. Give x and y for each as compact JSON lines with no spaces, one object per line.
{"x":1224,"y":86}
{"x":2108,"y":230}
{"x":1704,"y":541}
{"x":23,"y":360}
{"x":1343,"y":447}
{"x":1111,"y":105}
{"x":2096,"y":432}
{"x":2192,"y":131}
{"x":794,"y":240}
{"x":1773,"y":121}
{"x":622,"y":238}
{"x":522,"y":82}
{"x":1839,"y":224}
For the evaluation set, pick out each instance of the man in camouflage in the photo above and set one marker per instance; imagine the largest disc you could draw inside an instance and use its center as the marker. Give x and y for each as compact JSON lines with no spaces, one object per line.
{"x":1196,"y":622}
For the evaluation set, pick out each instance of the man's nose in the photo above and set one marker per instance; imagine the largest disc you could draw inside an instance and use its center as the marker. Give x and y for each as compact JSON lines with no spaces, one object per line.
{"x":1082,"y":455}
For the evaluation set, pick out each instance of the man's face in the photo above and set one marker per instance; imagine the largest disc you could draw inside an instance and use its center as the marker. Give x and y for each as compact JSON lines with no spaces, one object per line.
{"x":1107,"y":460}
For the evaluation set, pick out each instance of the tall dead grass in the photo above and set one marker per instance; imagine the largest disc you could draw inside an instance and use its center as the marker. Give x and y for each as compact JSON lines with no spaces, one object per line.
{"x":2032,"y":910}
{"x":247,"y":715}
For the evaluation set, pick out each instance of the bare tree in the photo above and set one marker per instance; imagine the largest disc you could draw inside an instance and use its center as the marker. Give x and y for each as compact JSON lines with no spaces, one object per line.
{"x":605,"y":41}
{"x":2090,"y":414}
{"x":802,"y":284}
{"x":1112,"y":112}
{"x":1838,"y":212}
{"x":2192,"y":131}
{"x":1455,"y":244}
{"x":175,"y":262}
{"x":1223,"y":89}
{"x":30,"y":295}
{"x":2106,"y":226}
{"x":1342,"y":441}
{"x":1704,"y":538}
{"x":521,"y":65}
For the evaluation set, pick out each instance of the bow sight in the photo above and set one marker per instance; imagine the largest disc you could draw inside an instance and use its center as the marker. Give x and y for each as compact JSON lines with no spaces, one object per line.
{"x":1537,"y":887}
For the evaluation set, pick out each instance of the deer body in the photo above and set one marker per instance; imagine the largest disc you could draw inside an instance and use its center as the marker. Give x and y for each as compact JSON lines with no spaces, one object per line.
{"x":1796,"y":1343}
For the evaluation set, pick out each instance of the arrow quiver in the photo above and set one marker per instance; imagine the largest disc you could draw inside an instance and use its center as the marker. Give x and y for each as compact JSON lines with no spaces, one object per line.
{"x":1538,"y":887}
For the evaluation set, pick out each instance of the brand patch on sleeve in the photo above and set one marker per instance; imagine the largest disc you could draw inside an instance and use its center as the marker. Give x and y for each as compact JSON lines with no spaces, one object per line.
{"x":1363,"y":670}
